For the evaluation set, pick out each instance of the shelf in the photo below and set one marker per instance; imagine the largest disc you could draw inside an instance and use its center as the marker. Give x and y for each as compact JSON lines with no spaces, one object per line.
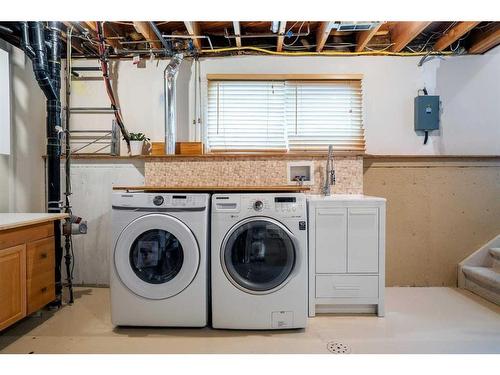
{"x":246,"y":189}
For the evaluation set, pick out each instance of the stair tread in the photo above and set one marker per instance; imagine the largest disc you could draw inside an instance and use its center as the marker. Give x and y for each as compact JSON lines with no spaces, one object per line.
{"x":495,"y":252}
{"x":484,"y":275}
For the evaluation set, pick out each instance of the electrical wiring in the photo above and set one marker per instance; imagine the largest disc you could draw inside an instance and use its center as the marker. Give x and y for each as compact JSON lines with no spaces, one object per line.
{"x":380,"y":50}
{"x":322,"y":53}
{"x":298,"y":36}
{"x":107,"y":84}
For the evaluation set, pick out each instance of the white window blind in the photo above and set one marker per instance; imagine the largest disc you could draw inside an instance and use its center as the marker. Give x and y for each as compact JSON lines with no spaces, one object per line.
{"x":320,"y":113}
{"x":285,"y":115}
{"x":246,"y":116}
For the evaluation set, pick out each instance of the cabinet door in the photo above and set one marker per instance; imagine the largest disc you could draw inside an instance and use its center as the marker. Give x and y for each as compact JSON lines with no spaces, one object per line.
{"x":12,"y":285}
{"x":362,"y":252}
{"x":331,"y":240}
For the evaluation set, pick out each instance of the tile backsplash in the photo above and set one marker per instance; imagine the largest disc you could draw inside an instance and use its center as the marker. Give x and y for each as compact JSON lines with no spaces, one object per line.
{"x":250,"y":171}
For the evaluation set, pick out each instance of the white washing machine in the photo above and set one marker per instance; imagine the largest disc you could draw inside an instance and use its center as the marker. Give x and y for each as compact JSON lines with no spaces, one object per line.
{"x":159,"y":259}
{"x":259,"y":261}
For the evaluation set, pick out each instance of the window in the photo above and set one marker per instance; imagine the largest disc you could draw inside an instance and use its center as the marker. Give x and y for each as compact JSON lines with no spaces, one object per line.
{"x":284,"y":115}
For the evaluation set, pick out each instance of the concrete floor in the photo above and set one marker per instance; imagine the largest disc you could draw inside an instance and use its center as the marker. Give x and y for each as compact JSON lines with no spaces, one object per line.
{"x":418,"y":320}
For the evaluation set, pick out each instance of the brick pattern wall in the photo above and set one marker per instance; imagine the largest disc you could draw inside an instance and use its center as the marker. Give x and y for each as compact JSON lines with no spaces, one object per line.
{"x":250,"y":171}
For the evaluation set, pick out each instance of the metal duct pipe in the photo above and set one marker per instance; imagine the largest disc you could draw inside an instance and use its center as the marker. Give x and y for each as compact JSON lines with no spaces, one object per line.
{"x":170,"y":79}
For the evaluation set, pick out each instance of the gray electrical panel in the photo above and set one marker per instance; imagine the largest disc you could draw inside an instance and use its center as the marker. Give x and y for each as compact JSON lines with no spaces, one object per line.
{"x":427,"y":112}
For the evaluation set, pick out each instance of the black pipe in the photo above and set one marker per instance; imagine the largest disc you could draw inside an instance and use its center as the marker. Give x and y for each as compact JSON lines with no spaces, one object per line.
{"x":25,"y":40}
{"x":40,"y":64}
{"x":47,"y":69}
{"x":54,"y":143}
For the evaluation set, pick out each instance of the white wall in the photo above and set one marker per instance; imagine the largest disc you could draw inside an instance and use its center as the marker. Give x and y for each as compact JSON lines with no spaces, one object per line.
{"x":22,"y":172}
{"x":469,"y":87}
{"x":140,"y":95}
{"x":91,"y":187}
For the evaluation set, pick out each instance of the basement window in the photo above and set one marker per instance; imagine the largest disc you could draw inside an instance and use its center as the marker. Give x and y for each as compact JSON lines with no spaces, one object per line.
{"x":284,"y":115}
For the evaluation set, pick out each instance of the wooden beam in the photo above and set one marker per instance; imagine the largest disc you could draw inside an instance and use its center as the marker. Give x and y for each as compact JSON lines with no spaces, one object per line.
{"x":147,"y":32}
{"x":455,"y":33}
{"x":364,"y":37}
{"x":322,"y":33}
{"x":281,"y":36}
{"x":486,"y":41}
{"x":74,"y":44}
{"x":404,"y":32}
{"x":91,"y":26}
{"x":193,"y":29}
{"x":237,"y":32}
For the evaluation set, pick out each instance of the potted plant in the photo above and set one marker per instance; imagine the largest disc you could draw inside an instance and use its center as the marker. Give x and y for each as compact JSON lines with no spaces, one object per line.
{"x":136,"y":143}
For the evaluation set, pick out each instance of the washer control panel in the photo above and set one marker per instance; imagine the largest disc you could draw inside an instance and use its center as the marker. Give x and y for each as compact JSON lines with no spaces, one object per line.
{"x":158,"y":200}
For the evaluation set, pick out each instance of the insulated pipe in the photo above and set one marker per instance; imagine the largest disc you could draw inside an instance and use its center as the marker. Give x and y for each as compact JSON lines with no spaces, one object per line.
{"x":170,"y":79}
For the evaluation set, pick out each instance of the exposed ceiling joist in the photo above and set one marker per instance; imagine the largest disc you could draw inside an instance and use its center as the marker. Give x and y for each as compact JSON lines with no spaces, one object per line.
{"x":281,"y":36}
{"x":364,"y":37}
{"x":404,"y":32}
{"x":147,"y":32}
{"x":193,"y":29}
{"x":74,"y":44}
{"x":455,"y":33}
{"x":91,"y":26}
{"x":486,"y":41}
{"x":322,"y":34}
{"x":237,"y":32}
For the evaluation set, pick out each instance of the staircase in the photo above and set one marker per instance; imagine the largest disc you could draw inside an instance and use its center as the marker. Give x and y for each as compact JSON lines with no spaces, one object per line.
{"x":480,"y":272}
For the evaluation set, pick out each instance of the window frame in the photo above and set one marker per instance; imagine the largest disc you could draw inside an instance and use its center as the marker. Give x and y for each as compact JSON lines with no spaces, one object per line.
{"x":277,"y":77}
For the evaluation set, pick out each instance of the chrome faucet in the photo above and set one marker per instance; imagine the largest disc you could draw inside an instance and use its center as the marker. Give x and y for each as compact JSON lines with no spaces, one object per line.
{"x":329,"y":172}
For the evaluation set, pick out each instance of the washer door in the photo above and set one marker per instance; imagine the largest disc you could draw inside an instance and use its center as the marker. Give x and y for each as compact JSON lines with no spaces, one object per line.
{"x":156,"y":256}
{"x":258,"y":255}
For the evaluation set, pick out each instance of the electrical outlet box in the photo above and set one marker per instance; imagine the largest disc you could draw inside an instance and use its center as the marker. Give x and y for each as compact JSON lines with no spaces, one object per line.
{"x":427,"y":112}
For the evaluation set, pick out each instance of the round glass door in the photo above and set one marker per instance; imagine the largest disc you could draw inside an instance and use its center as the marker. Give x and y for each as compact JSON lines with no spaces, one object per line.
{"x":156,"y":256}
{"x":258,"y":255}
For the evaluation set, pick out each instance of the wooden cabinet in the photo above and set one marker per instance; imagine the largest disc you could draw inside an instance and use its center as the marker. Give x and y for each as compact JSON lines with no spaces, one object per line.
{"x":12,"y":285}
{"x":40,"y":273}
{"x":346,"y":254}
{"x":27,"y":267}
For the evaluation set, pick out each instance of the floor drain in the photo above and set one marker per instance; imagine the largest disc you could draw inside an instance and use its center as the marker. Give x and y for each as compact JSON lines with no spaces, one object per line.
{"x":338,"y":348}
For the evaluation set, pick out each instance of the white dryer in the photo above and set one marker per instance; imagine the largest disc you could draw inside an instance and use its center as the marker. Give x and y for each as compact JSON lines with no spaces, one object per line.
{"x":159,"y":259}
{"x":259,"y":261}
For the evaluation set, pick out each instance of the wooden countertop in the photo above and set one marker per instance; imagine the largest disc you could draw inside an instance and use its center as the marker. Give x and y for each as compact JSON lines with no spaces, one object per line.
{"x":15,"y":220}
{"x":187,"y":189}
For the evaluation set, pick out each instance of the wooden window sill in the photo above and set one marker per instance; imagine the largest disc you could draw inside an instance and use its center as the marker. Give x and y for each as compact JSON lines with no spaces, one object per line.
{"x":221,"y":155}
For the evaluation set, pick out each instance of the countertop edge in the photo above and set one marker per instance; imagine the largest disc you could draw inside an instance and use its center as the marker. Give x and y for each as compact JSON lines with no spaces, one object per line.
{"x":27,"y":222}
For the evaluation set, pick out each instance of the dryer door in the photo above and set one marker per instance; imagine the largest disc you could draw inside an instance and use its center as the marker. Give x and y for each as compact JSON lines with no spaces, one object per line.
{"x":258,"y":255}
{"x":156,"y":256}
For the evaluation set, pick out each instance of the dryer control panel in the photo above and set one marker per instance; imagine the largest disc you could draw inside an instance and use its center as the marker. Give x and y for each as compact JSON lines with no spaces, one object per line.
{"x":266,"y":204}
